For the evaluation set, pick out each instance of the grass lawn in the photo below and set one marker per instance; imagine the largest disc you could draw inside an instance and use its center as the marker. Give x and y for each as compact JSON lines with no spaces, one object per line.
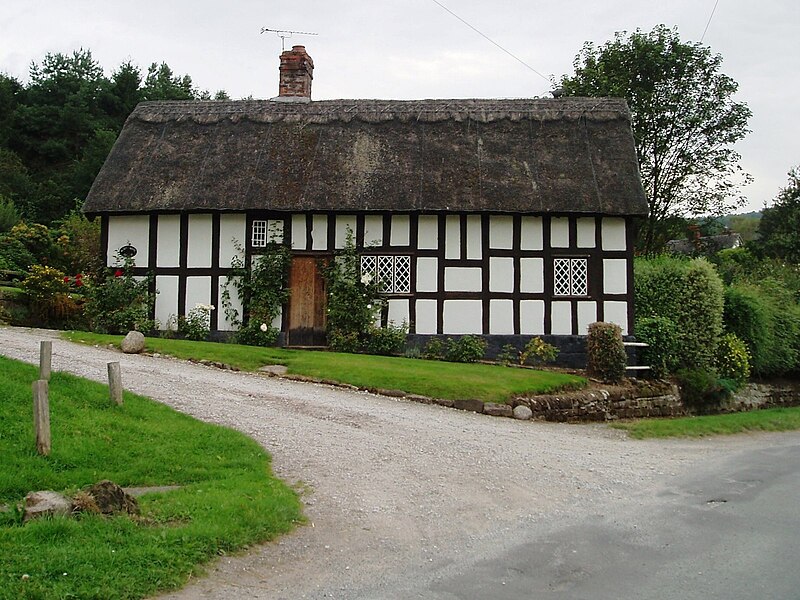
{"x":773,"y":419}
{"x":453,"y":381}
{"x":229,"y":498}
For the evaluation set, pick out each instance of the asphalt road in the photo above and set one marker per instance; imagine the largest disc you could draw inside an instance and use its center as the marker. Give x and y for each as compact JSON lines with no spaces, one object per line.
{"x":729,"y":529}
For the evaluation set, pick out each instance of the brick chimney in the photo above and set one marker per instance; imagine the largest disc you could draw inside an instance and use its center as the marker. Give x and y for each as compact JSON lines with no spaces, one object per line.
{"x":297,"y":72}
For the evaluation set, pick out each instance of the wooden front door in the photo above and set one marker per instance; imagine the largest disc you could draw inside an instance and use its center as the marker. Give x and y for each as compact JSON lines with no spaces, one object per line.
{"x":307,"y":303}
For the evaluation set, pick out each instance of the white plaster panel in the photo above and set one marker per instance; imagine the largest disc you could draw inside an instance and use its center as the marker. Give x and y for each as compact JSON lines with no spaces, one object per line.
{"x":428,"y":232}
{"x":168,"y":249}
{"x":232,"y":232}
{"x":501,"y":317}
{"x":373,"y":230}
{"x":559,"y":232}
{"x":198,"y":291}
{"x":531,"y":317}
{"x":586,"y":232}
{"x":427,"y":274}
{"x":501,"y":274}
{"x":299,"y":239}
{"x":199,"y":247}
{"x":561,"y":318}
{"x":427,"y":317}
{"x":613,"y":233}
{"x":452,"y":237}
{"x":319,"y":232}
{"x":343,"y":223}
{"x":223,"y":323}
{"x":463,"y":279}
{"x":398,"y":312}
{"x":531,"y":275}
{"x":531,"y":233}
{"x":587,"y":314}
{"x":133,"y":230}
{"x":616,"y":312}
{"x":615,"y":276}
{"x":401,"y":225}
{"x":501,"y":232}
{"x":278,"y":320}
{"x":474,"y":237}
{"x":463,"y":316}
{"x":167,"y":302}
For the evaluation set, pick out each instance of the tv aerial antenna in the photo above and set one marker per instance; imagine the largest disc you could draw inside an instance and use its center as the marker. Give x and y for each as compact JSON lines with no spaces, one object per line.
{"x":285,"y":33}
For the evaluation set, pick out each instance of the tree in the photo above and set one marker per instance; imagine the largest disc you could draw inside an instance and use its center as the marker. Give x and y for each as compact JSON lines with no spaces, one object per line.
{"x":779,"y":229}
{"x":684,"y":119}
{"x":162,"y":84}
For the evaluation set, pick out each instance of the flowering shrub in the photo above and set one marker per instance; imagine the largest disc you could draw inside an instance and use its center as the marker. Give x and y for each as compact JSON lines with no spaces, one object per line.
{"x":262,"y":291}
{"x":733,"y":359}
{"x":536,"y":352}
{"x":116,"y":302}
{"x":353,"y":301}
{"x":47,"y":292}
{"x":197,"y":324}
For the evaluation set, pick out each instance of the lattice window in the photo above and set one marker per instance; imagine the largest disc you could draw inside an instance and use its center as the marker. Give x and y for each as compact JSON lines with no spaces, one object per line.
{"x":259,"y":234}
{"x":570,"y":277}
{"x":393,"y":273}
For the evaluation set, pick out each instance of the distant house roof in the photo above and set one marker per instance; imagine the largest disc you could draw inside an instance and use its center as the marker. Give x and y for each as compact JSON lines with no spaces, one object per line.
{"x":709,"y":244}
{"x":568,"y":155}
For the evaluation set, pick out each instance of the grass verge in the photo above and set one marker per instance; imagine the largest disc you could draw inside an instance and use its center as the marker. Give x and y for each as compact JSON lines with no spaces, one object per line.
{"x":229,"y":497}
{"x":436,"y":379}
{"x":773,"y":419}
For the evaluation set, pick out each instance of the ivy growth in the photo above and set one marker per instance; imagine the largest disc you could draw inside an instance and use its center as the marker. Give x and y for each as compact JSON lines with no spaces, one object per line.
{"x":262,"y":290}
{"x":353,"y":300}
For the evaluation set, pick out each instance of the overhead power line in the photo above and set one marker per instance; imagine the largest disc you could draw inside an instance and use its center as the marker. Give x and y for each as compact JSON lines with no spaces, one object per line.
{"x":486,"y":37}
{"x":711,"y":16}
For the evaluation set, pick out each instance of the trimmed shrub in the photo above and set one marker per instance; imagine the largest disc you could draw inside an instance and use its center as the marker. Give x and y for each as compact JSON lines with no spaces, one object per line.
{"x":661,"y":335}
{"x":606,"y":353}
{"x":690,"y":293}
{"x":733,"y":359}
{"x":766,"y":318}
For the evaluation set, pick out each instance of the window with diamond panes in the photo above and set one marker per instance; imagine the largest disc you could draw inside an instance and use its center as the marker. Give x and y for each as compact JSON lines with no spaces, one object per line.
{"x":570,"y":277}
{"x":259,"y":234}
{"x":393,"y":273}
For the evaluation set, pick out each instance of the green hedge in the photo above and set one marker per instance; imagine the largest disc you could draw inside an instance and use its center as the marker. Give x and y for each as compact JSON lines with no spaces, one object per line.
{"x":767,"y":319}
{"x":690,"y":294}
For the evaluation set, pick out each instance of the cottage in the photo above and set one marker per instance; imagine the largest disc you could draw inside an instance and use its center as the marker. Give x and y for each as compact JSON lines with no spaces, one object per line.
{"x":492,"y":217}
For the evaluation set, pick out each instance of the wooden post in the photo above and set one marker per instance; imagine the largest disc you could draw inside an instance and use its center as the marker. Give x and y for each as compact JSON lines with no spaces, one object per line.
{"x":45,"y":359}
{"x":41,"y":416}
{"x":115,"y":382}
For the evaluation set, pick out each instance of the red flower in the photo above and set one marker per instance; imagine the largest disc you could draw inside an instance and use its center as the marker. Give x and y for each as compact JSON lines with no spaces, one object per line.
{"x":78,"y":282}
{"x":66,"y":279}
{"x":118,"y":273}
{"x":79,"y":276}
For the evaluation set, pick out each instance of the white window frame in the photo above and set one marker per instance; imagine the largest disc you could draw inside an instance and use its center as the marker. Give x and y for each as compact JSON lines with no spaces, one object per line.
{"x":259,"y":233}
{"x":392,"y":272}
{"x":570,"y":277}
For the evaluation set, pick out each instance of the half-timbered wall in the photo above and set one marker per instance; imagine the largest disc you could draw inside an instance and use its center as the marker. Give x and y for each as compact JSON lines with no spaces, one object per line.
{"x":488,"y":274}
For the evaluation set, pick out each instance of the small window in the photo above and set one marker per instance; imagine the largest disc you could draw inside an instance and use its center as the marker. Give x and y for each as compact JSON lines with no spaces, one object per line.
{"x":259,"y":234}
{"x":570,"y":277}
{"x":392,"y":272}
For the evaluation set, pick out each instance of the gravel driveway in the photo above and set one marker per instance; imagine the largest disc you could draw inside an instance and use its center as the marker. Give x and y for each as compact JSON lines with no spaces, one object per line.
{"x":396,"y":492}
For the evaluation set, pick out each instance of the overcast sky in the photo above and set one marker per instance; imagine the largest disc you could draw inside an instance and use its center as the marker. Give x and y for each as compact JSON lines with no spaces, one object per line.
{"x":413,"y":49}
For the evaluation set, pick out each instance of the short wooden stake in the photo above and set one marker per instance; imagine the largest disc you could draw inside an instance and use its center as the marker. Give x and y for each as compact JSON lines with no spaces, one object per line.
{"x":45,"y":359}
{"x":41,"y":416}
{"x":115,"y":382}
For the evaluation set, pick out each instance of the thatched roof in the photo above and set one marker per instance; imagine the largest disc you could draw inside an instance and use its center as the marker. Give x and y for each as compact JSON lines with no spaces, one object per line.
{"x":553,"y":156}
